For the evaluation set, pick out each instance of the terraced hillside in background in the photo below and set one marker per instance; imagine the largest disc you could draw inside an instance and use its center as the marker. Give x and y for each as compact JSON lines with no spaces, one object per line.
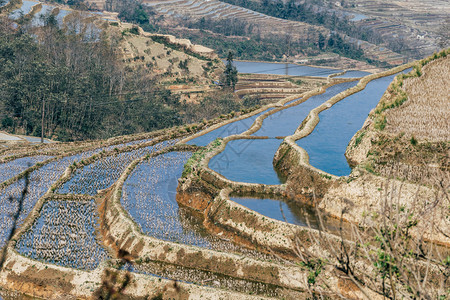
{"x":257,"y":203}
{"x":267,"y":25}
{"x":177,"y":63}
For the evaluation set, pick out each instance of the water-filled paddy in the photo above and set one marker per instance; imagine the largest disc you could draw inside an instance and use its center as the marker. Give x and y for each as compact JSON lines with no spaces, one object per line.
{"x":149,"y":197}
{"x":39,"y":20}
{"x":61,"y":15}
{"x":15,"y":167}
{"x":353,"y":74}
{"x":280,"y":210}
{"x":102,"y":173}
{"x":40,"y":181}
{"x":23,"y":10}
{"x":64,"y":234}
{"x":233,"y":128}
{"x":286,"y":121}
{"x":248,"y":160}
{"x":326,"y":145}
{"x":282,"y":69}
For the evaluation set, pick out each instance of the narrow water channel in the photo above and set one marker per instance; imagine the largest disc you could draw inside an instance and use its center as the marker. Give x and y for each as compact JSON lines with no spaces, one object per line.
{"x":286,"y":121}
{"x":326,"y":145}
{"x":248,"y":160}
{"x":254,"y":67}
{"x":233,"y":128}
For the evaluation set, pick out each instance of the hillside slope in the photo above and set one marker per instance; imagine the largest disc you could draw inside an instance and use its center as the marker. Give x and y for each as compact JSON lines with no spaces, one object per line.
{"x":401,"y":155}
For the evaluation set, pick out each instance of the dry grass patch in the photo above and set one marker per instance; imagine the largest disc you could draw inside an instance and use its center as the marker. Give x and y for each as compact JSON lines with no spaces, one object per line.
{"x":424,"y":115}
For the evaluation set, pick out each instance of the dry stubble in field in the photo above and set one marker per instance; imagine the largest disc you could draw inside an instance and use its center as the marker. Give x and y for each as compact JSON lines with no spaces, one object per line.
{"x":425,"y":114}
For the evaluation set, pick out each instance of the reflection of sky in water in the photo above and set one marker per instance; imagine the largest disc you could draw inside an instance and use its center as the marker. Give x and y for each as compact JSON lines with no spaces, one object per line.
{"x":40,"y":181}
{"x":286,"y":121}
{"x":13,"y":168}
{"x":353,"y":74}
{"x":60,"y":17}
{"x":4,"y":3}
{"x":39,"y":18}
{"x":149,"y":197}
{"x":64,"y":234}
{"x":233,"y":128}
{"x":102,"y":173}
{"x":279,"y":210}
{"x":23,"y":10}
{"x":282,"y":69}
{"x":248,"y":161}
{"x":327,"y":143}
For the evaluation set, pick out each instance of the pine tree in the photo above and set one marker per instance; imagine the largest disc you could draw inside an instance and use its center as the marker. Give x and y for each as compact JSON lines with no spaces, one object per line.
{"x":230,"y":73}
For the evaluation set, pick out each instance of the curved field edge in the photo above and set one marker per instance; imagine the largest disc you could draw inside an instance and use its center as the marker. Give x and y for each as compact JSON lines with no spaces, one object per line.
{"x":203,"y":161}
{"x":366,"y":146}
{"x":51,"y":281}
{"x":313,"y":119}
{"x":123,"y":233}
{"x":208,"y":195}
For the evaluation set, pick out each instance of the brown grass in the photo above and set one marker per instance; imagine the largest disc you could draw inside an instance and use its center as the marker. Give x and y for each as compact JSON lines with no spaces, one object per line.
{"x":425,"y":115}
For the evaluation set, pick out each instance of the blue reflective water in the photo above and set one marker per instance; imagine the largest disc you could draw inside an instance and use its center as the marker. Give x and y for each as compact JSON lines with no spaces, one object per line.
{"x":40,"y":181}
{"x":248,"y":160}
{"x":104,"y":172}
{"x":286,"y":121}
{"x":33,"y":139}
{"x":326,"y":145}
{"x":13,"y":168}
{"x":236,"y":127}
{"x":279,"y":210}
{"x":61,"y":15}
{"x":282,"y":69}
{"x":64,"y":234}
{"x":39,"y":20}
{"x":354,"y":74}
{"x":358,"y":17}
{"x":3,"y":3}
{"x":149,"y":196}
{"x":23,"y":10}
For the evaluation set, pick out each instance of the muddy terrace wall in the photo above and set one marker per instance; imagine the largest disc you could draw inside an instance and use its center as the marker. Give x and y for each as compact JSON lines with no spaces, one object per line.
{"x":228,"y":220}
{"x":50,"y":281}
{"x":204,"y":190}
{"x":122,"y":233}
{"x":305,"y":182}
{"x":207,"y":192}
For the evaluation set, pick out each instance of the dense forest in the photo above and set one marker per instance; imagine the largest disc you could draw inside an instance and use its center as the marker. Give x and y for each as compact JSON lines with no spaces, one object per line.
{"x":84,"y":88}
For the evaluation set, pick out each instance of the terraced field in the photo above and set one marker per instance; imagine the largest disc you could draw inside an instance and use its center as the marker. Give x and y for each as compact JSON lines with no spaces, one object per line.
{"x":196,"y":9}
{"x":64,"y":234}
{"x":155,"y":211}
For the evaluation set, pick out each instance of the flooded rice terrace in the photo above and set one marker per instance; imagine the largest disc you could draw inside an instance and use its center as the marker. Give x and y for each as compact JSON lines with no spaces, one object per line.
{"x":250,"y":160}
{"x":104,"y":172}
{"x":149,"y":197}
{"x":13,"y":168}
{"x":64,"y":234}
{"x":282,"y":69}
{"x":236,"y":127}
{"x":326,"y":145}
{"x":286,"y":121}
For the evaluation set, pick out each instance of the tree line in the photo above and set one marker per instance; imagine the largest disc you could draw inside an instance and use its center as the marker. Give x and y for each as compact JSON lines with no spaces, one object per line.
{"x":84,"y":88}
